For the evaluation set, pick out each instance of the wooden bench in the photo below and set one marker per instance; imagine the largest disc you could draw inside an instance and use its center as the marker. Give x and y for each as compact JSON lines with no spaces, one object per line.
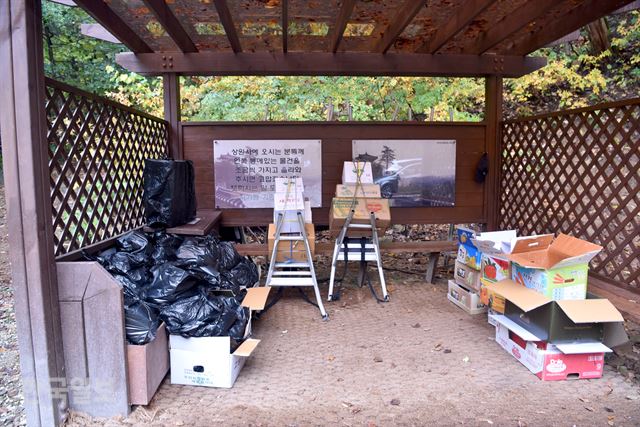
{"x":432,"y":247}
{"x":204,"y":223}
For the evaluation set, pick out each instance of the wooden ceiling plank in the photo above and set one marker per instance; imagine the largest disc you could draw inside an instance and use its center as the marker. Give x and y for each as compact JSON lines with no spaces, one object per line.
{"x":510,"y":25}
{"x":171,"y":25}
{"x":285,"y":25}
{"x":341,"y":24}
{"x":329,"y":64}
{"x":227,"y":22}
{"x":588,"y":11}
{"x":116,"y":26}
{"x":462,"y":17}
{"x":405,"y":15}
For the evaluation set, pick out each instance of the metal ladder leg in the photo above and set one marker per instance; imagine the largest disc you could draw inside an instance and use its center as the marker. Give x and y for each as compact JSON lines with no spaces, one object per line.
{"x":336,"y":253}
{"x":312,"y":269}
{"x":274,"y":251}
{"x":376,"y":248}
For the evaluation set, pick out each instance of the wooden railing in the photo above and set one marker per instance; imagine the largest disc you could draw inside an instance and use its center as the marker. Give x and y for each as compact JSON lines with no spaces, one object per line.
{"x":577,"y":172}
{"x":97,"y":149}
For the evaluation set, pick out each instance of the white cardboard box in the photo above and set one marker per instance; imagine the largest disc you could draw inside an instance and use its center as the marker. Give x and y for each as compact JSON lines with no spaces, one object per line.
{"x":290,"y":185}
{"x":466,"y":299}
{"x":351,"y":171}
{"x":208,"y":361}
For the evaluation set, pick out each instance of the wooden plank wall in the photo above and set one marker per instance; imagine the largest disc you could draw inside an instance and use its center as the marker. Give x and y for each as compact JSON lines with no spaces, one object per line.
{"x":197,"y":145}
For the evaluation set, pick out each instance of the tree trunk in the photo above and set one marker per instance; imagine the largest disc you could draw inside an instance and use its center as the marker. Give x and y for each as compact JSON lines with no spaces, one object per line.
{"x":599,"y":36}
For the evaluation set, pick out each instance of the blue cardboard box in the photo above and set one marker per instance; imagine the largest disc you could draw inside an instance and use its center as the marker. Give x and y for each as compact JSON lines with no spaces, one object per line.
{"x":468,"y":253}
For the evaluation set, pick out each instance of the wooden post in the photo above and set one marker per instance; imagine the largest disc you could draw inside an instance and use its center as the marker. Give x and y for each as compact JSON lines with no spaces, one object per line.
{"x":493,"y":118}
{"x":171,"y":86}
{"x":29,"y":218}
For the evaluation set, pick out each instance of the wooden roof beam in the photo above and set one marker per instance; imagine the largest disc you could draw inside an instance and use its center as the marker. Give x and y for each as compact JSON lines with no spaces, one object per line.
{"x":587,"y":12}
{"x":116,"y":26}
{"x":171,"y":25}
{"x":329,"y":64}
{"x":511,"y":24}
{"x":460,"y":18}
{"x":341,"y":24}
{"x":285,"y":25}
{"x":227,"y":22}
{"x":404,"y":16}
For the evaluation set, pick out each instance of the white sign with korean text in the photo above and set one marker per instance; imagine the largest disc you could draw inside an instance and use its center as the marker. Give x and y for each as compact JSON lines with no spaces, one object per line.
{"x":245,"y":171}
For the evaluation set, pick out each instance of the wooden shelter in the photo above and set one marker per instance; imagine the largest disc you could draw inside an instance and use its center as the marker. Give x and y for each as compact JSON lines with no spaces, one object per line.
{"x":66,"y":151}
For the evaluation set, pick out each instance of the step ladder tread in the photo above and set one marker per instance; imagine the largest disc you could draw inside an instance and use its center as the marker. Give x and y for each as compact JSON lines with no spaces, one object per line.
{"x":291,"y":281}
{"x":292,"y":265}
{"x":291,"y":273}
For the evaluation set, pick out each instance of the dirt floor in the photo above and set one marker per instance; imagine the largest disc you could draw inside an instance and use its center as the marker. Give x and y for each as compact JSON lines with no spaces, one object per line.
{"x":417,"y":360}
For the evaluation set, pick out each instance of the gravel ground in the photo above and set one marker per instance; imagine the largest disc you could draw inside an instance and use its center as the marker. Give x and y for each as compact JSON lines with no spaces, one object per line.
{"x":11,"y":401}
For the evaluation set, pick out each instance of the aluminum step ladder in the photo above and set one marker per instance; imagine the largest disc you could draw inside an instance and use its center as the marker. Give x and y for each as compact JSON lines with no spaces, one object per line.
{"x":294,"y":274}
{"x":362,"y":251}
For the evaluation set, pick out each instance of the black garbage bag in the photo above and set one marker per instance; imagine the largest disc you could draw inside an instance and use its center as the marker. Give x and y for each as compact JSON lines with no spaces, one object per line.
{"x":238,"y":329}
{"x":228,"y":256}
{"x":207,"y":274}
{"x":244,"y":274}
{"x":193,"y":252}
{"x":169,"y":283}
{"x":141,"y":321}
{"x":127,"y":284}
{"x":104,"y":256}
{"x":132,"y":241}
{"x":201,"y":315}
{"x":164,"y":247}
{"x":125,"y":262}
{"x":190,"y":316}
{"x":169,"y":192}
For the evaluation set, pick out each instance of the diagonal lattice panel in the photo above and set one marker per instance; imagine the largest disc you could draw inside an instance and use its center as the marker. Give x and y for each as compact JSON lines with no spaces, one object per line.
{"x":578,"y":172}
{"x":96,"y":159}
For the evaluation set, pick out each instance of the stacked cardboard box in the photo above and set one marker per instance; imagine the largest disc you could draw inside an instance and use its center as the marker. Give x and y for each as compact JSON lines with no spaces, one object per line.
{"x":211,"y":361}
{"x":480,"y":258}
{"x":557,"y":339}
{"x":358,"y":193}
{"x":540,"y":307}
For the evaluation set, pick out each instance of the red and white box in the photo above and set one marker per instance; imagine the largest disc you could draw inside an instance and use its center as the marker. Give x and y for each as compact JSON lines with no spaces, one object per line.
{"x":550,"y":362}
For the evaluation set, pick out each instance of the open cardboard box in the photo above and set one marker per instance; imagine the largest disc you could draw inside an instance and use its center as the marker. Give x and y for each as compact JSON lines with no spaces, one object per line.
{"x":567,"y":321}
{"x":209,"y":361}
{"x":549,"y":362}
{"x":490,"y":298}
{"x":557,"y":268}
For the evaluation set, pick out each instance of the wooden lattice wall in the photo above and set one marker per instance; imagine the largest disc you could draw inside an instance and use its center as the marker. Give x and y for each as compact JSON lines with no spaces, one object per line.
{"x":97,"y":149}
{"x":578,"y":172}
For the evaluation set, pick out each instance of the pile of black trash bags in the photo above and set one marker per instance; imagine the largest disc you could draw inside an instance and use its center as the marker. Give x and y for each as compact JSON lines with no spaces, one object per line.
{"x":194,"y":284}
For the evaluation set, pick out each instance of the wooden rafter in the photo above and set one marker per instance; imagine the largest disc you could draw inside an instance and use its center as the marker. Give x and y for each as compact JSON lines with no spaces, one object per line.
{"x":460,"y":18}
{"x":171,"y":25}
{"x":510,"y":25}
{"x":404,"y":16}
{"x":285,"y":25}
{"x":588,"y":11}
{"x":329,"y":64}
{"x":227,"y":22}
{"x":341,"y":24}
{"x":116,"y":26}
